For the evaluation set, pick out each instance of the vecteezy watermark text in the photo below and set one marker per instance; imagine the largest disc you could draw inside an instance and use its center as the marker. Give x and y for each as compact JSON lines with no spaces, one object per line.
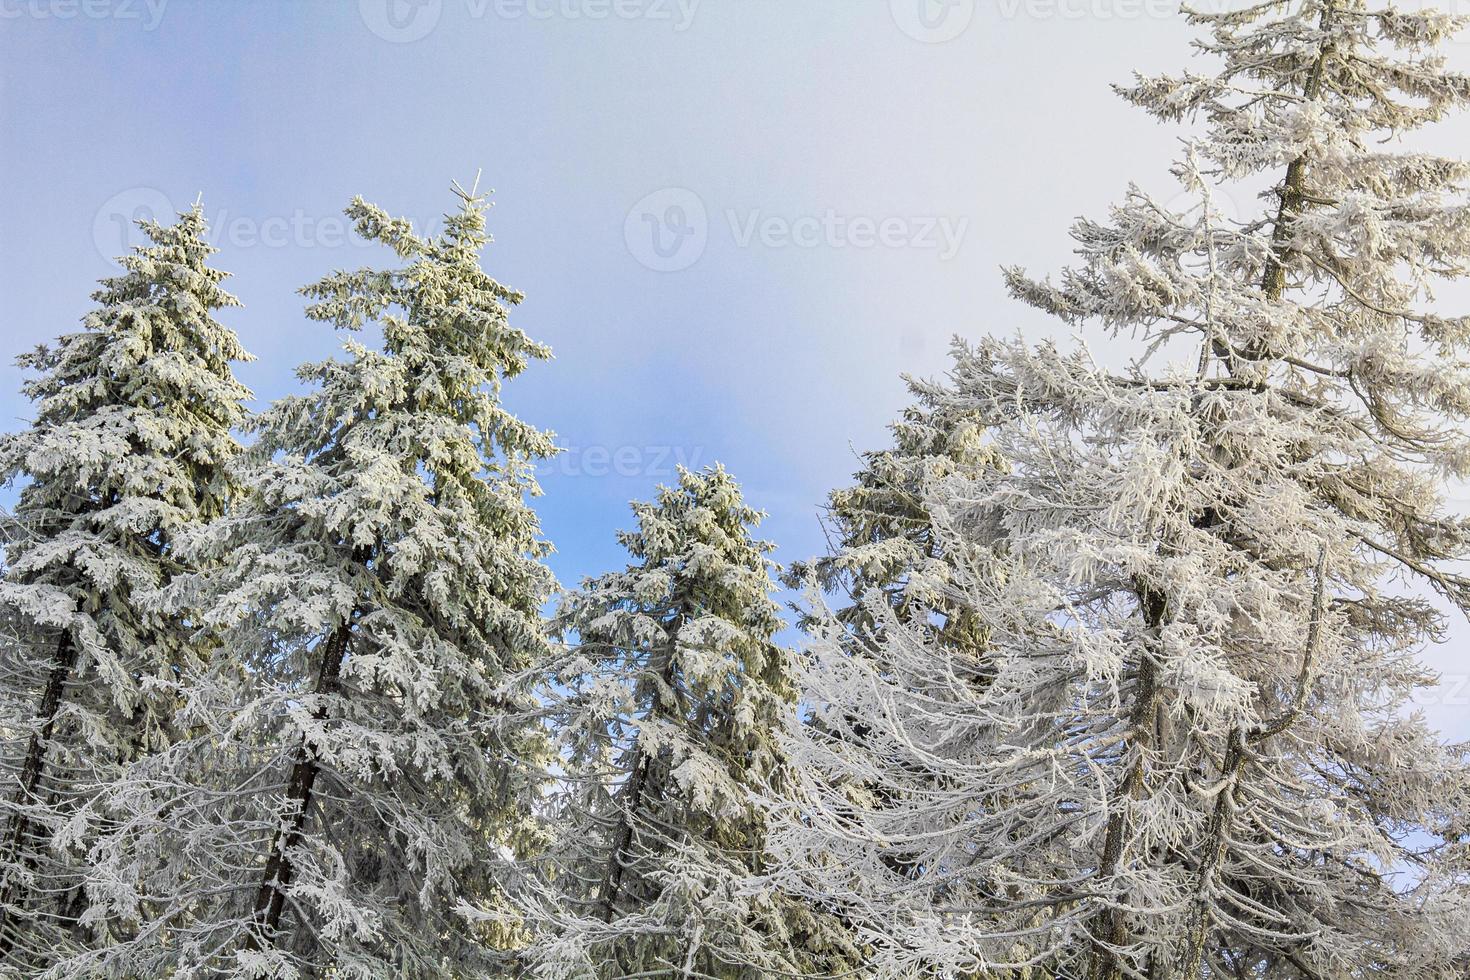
{"x":403,"y":21}
{"x":598,"y":462}
{"x":115,"y":228}
{"x":668,"y":230}
{"x":147,"y":12}
{"x":832,"y":229}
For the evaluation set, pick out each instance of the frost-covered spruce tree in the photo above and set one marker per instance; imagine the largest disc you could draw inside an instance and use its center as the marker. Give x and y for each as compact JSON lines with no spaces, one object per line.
{"x":880,"y":527}
{"x":1196,"y":753}
{"x":129,"y":448}
{"x":355,"y":785}
{"x":885,"y":547}
{"x":667,"y":713}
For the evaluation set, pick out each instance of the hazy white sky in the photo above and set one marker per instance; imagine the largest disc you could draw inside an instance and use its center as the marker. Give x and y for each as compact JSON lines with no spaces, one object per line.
{"x":736,"y":221}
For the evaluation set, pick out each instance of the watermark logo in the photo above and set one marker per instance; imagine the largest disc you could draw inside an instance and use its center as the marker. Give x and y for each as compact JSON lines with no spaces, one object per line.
{"x":932,"y":21}
{"x":400,"y":21}
{"x":1223,"y":211}
{"x":668,"y":230}
{"x":115,"y":228}
{"x":404,"y":21}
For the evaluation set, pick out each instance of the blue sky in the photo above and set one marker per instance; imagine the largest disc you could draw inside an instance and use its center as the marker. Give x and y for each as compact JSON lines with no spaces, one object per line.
{"x":736,"y":221}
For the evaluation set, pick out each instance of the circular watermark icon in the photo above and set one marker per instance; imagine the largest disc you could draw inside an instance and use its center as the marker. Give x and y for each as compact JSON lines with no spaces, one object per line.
{"x":1224,"y":210}
{"x":932,"y":21}
{"x":400,"y":21}
{"x":667,"y":231}
{"x":115,"y":229}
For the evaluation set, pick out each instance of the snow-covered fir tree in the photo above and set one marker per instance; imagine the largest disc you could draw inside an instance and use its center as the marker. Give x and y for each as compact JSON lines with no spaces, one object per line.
{"x":880,"y":527}
{"x":355,"y":783}
{"x":667,"y":713}
{"x":885,"y":543}
{"x":129,"y":449}
{"x":1194,"y":751}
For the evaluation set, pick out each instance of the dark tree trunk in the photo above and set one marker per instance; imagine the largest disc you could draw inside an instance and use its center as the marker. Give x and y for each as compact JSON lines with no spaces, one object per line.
{"x":1106,"y":964}
{"x":612,"y":882}
{"x":270,"y":899}
{"x":32,"y":769}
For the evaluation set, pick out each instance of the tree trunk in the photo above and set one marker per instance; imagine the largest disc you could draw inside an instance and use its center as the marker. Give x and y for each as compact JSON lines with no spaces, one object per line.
{"x":1106,"y":963}
{"x":612,"y":882}
{"x":1217,"y":842}
{"x":1293,"y":189}
{"x":270,"y":899}
{"x":32,"y":770}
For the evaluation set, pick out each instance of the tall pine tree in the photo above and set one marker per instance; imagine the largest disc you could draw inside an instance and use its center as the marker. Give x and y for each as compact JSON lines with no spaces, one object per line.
{"x":356,"y":782}
{"x":1196,"y":755}
{"x":130,"y":449}
{"x":668,"y":713}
